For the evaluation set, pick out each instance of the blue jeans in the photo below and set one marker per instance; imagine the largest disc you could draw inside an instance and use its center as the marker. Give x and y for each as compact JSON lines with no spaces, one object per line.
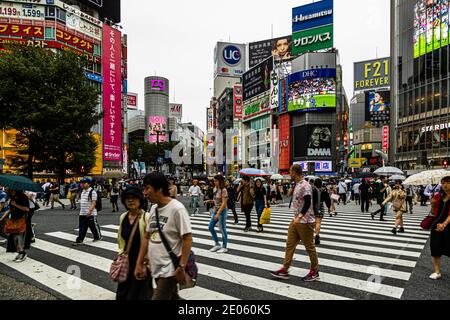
{"x":194,"y":202}
{"x":260,"y":205}
{"x":222,"y":225}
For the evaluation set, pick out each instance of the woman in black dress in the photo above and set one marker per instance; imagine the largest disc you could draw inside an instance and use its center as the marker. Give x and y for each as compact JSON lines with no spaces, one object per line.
{"x":133,"y":199}
{"x":440,"y":231}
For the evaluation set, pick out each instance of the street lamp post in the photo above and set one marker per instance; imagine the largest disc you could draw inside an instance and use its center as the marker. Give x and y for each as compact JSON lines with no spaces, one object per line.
{"x":139,"y":152}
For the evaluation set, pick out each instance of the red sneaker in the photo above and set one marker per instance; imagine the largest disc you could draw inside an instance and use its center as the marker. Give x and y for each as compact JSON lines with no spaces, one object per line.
{"x":312,"y":276}
{"x":280,"y":274}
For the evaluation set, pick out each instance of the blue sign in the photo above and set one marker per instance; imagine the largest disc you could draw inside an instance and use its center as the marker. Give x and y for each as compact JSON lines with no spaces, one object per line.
{"x":232,"y":55}
{"x":125,"y":86}
{"x":312,"y":15}
{"x":94,"y":77}
{"x":312,"y":74}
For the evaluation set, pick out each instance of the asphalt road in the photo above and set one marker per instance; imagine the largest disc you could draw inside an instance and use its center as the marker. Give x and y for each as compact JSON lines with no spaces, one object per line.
{"x":355,"y":250}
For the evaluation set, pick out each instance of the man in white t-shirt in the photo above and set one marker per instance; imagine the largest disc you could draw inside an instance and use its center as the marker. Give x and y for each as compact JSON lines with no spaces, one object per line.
{"x":88,"y":213}
{"x":194,"y":193}
{"x":176,"y":227}
{"x":342,"y":189}
{"x":357,"y":193}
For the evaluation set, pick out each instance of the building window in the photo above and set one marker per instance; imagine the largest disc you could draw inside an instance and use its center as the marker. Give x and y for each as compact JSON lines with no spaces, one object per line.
{"x":49,"y":33}
{"x":97,"y":50}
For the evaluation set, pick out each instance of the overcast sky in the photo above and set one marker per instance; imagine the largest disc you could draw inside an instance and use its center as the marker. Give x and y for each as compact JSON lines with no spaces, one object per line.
{"x":176,"y":39}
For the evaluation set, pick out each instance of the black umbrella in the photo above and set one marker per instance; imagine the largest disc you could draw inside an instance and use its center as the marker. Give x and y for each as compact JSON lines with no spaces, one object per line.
{"x":19,"y":183}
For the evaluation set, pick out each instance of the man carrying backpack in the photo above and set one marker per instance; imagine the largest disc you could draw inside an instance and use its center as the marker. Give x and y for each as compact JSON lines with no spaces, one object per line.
{"x":88,"y":213}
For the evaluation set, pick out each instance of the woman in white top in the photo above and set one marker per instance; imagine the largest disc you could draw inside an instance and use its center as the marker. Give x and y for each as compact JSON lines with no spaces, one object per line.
{"x":29,"y":235}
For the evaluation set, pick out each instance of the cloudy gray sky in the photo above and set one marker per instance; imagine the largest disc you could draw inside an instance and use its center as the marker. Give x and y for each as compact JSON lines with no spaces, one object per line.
{"x":176,"y":38}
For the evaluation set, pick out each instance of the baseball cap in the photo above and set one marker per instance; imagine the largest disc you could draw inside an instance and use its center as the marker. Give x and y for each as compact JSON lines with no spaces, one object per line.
{"x":87,"y":180}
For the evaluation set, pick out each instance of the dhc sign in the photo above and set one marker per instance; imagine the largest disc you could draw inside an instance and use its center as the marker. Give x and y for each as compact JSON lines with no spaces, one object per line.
{"x":232,"y":55}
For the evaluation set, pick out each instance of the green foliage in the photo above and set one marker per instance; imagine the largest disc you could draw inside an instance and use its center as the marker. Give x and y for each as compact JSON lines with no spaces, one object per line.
{"x":47,"y":98}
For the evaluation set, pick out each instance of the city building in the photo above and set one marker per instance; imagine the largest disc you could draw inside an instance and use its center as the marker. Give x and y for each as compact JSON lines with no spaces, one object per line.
{"x":85,"y":28}
{"x":420,"y":92}
{"x":156,"y":109}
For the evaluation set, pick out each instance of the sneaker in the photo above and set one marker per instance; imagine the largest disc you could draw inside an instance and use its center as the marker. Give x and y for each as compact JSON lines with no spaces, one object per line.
{"x":312,"y":276}
{"x":97,"y":240}
{"x":435,"y":276}
{"x":247,"y":229}
{"x":280,"y":274}
{"x":23,"y":257}
{"x":215,"y":248}
{"x":394,"y":231}
{"x":76,"y":243}
{"x":223,"y":250}
{"x":236,"y":222}
{"x":260,"y":229}
{"x":17,"y":258}
{"x":317,"y":240}
{"x":402,"y":230}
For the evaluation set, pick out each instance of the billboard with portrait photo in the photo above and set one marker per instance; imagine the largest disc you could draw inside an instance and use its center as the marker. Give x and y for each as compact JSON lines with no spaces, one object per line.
{"x":257,"y":80}
{"x":313,"y":141}
{"x":378,"y":108}
{"x":157,"y":126}
{"x":279,"y":48}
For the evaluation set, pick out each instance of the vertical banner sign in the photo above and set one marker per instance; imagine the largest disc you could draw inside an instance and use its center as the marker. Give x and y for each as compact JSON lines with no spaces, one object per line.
{"x":112,"y":94}
{"x":238,"y":102}
{"x":385,"y":139}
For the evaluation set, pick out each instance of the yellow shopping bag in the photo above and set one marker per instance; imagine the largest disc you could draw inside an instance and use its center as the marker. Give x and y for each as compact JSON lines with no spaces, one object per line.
{"x":265,"y":217}
{"x":69,"y":195}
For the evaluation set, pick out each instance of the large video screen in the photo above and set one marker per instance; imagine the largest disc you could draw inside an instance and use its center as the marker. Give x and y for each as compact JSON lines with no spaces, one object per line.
{"x":312,"y":95}
{"x":431,"y":18}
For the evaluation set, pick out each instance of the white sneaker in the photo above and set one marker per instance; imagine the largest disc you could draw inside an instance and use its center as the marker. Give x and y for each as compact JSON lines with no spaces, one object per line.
{"x":435,"y":276}
{"x":215,"y":249}
{"x":223,"y":250}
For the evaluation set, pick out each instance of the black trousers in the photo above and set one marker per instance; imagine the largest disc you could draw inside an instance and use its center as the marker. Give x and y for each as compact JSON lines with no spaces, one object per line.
{"x":409,"y":204}
{"x":357,"y":198}
{"x":365,"y":204}
{"x":232,"y":208}
{"x":247,"y":211}
{"x":380,"y":211}
{"x":91,"y":223}
{"x":343,"y":198}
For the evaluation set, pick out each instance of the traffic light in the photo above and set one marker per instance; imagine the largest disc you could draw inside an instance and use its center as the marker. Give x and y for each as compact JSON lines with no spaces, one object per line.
{"x":445,"y":165}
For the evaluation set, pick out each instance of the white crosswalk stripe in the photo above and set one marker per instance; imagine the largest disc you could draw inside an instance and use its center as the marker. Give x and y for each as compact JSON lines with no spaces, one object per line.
{"x":359,"y":259}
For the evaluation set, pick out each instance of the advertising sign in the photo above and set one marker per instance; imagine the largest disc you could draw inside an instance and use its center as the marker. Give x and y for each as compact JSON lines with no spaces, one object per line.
{"x":257,"y":80}
{"x":385,"y":139}
{"x":312,"y":27}
{"x":156,"y":85}
{"x":356,"y":163}
{"x":313,"y":141}
{"x":74,"y":11}
{"x":132,"y":101}
{"x":312,"y":15}
{"x":210,"y":120}
{"x":157,"y":127}
{"x":73,"y":21}
{"x":18,"y":30}
{"x":320,"y":166}
{"x":106,"y":8}
{"x":378,"y":108}
{"x":312,"y":90}
{"x":229,"y":59}
{"x":372,"y":74}
{"x":176,"y":111}
{"x":112,"y":94}
{"x":284,"y":122}
{"x":279,"y":48}
{"x":29,"y":10}
{"x":237,"y":101}
{"x":78,"y":42}
{"x":430,"y":29}
{"x":256,"y":108}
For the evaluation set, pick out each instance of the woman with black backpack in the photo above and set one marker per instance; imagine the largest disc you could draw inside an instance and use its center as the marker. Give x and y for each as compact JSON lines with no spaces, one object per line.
{"x":320,"y":197}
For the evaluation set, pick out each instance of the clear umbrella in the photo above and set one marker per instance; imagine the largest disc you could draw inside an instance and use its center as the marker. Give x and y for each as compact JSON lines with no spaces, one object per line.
{"x":388,"y":171}
{"x":397,"y":177}
{"x":426,"y":177}
{"x":277,"y":177}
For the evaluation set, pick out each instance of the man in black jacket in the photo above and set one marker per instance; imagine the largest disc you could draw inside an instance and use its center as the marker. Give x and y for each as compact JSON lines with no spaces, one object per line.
{"x":364,"y":190}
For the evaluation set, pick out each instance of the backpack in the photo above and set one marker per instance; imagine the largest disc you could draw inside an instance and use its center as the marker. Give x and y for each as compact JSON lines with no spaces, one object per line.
{"x":98,"y":203}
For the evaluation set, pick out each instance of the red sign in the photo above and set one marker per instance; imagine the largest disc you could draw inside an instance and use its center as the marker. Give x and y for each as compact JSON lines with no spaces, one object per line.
{"x":238,"y":102}
{"x":18,"y":30}
{"x":132,"y":101}
{"x":76,"y":41}
{"x":112,"y":94}
{"x":284,"y":123}
{"x":385,"y":139}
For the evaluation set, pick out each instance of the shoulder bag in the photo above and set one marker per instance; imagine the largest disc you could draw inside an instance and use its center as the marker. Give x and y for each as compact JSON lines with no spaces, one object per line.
{"x":18,"y":226}
{"x":120,"y":267}
{"x":430,"y":220}
{"x":191,"y":270}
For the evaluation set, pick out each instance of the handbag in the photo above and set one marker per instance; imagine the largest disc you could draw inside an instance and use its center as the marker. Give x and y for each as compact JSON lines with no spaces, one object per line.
{"x":397,"y":205}
{"x":265,"y":217}
{"x":191,"y":269}
{"x":335,"y":197}
{"x":120,"y":267}
{"x":427,"y":223}
{"x":15,"y":226}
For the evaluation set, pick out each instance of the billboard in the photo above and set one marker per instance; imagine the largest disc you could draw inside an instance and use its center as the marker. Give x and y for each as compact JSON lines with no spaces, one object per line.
{"x":31,"y":11}
{"x":430,"y":29}
{"x":256,"y":108}
{"x":229,"y":59}
{"x":284,"y":122}
{"x":372,"y":74}
{"x":237,"y":101}
{"x":132,"y":101}
{"x":112,"y":94}
{"x":279,"y":48}
{"x":312,"y":27}
{"x":257,"y":80}
{"x":313,"y":141}
{"x":73,"y":21}
{"x":156,"y":85}
{"x":312,"y":90}
{"x":176,"y":111}
{"x":385,"y":139}
{"x":77,"y":42}
{"x":106,"y":8}
{"x":320,"y":166}
{"x":21,"y":30}
{"x":378,"y":108}
{"x":157,"y":127}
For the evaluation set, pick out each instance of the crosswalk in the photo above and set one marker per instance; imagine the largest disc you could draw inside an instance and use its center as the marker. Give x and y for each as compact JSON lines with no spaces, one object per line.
{"x":359,"y":259}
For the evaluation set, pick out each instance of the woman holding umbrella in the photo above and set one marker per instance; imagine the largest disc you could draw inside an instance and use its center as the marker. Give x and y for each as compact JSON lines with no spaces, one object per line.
{"x":440,"y":231}
{"x":398,"y":199}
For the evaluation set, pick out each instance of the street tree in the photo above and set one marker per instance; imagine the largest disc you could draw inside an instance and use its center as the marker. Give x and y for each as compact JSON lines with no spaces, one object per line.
{"x":45,"y":96}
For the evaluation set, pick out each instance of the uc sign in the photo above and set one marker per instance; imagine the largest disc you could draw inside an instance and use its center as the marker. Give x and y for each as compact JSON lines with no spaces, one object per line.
{"x":232,"y":55}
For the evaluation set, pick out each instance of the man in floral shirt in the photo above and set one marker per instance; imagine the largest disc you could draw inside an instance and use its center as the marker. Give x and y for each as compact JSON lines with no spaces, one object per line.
{"x":301,"y":228}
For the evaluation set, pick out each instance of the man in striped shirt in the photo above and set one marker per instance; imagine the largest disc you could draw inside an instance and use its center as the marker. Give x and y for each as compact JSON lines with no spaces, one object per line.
{"x":88,"y":213}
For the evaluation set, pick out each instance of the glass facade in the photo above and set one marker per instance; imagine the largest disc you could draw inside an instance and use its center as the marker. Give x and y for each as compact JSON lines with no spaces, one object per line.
{"x":421,"y":94}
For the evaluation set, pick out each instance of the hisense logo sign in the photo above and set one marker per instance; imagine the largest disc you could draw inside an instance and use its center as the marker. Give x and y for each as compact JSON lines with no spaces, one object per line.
{"x":320,"y":14}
